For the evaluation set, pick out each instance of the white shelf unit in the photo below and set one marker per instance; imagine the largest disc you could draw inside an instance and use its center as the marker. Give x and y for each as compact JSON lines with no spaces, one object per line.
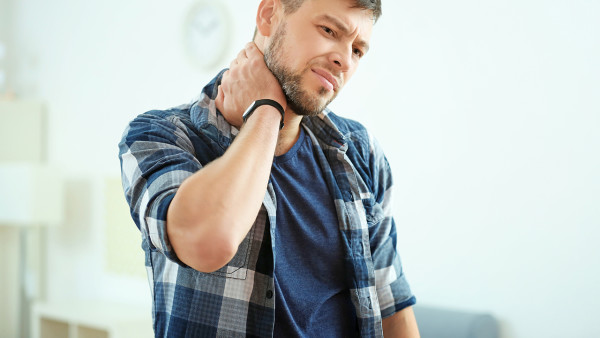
{"x":90,"y":320}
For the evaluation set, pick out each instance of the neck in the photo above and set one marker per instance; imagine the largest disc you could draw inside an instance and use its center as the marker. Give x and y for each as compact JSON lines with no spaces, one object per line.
{"x":289,"y":134}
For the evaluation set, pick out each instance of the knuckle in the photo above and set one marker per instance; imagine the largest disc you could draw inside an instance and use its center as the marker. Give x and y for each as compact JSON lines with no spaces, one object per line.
{"x":255,"y":61}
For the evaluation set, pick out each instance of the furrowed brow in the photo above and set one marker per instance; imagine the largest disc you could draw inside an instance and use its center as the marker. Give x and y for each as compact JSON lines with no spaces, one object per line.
{"x":343,"y":28}
{"x":339,"y":24}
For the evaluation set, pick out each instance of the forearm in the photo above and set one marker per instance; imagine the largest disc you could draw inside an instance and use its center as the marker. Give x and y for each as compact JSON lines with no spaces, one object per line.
{"x":401,"y":324}
{"x":214,"y":209}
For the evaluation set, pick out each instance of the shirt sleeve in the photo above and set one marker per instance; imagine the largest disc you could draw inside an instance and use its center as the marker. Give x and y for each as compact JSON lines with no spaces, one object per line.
{"x":156,"y":156}
{"x":393,"y":290}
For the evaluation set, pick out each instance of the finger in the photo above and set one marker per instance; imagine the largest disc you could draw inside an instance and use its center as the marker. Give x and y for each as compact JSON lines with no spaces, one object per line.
{"x":219,"y":97}
{"x":219,"y":100}
{"x":220,"y":94}
{"x":224,"y":78}
{"x":225,"y":75}
{"x":242,"y":54}
{"x":252,"y":49}
{"x":249,"y":48}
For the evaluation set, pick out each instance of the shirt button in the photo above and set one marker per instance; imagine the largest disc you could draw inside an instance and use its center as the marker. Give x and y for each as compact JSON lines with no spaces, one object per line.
{"x":269,"y":294}
{"x":349,"y":196}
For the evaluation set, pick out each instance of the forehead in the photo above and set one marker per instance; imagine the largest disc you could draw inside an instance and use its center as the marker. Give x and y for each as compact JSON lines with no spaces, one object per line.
{"x":342,"y":13}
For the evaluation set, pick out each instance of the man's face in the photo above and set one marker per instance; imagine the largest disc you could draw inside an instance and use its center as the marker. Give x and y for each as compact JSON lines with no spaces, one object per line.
{"x":316,"y":50}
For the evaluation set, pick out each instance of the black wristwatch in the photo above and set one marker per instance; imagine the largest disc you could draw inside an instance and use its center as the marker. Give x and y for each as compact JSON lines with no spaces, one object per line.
{"x":263,"y":102}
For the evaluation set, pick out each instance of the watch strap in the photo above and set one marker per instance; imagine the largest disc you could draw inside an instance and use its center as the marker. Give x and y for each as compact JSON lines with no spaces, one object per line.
{"x":264,"y":102}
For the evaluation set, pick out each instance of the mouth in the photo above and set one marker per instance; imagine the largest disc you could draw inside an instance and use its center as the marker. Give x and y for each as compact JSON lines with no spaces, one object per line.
{"x":327,"y":80}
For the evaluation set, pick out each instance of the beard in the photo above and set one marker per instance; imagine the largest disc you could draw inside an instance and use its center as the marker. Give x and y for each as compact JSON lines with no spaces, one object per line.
{"x":298,"y":99}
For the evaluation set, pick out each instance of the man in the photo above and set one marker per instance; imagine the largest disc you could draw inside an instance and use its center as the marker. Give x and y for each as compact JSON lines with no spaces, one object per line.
{"x":262,"y":213}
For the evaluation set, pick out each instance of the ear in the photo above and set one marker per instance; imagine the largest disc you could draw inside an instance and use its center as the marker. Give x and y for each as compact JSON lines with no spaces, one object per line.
{"x":266,"y":17}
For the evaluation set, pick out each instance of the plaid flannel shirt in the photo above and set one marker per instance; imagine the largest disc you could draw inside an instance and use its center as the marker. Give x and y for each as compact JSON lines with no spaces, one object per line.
{"x":160,"y":149}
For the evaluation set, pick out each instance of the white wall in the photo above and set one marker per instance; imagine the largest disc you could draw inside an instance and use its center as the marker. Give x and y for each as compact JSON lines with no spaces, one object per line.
{"x":488,"y":111}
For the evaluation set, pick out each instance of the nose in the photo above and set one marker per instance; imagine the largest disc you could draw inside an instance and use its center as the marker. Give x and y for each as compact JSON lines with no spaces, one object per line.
{"x":341,"y":58}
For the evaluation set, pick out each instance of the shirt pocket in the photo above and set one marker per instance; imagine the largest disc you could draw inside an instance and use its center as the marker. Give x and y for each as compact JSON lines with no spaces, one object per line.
{"x":237,"y":268}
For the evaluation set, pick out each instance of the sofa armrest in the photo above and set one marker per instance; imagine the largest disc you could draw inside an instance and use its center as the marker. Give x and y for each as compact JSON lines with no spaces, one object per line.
{"x":444,"y":323}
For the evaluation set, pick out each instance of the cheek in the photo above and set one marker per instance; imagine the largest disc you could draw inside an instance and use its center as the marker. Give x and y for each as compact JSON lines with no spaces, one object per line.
{"x":352,"y":71}
{"x":308,"y":46}
{"x":348,"y":75}
{"x":294,"y":54}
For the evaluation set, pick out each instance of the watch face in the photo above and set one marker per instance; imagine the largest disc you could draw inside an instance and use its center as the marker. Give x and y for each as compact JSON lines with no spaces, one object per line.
{"x":249,"y":111}
{"x":206,"y":33}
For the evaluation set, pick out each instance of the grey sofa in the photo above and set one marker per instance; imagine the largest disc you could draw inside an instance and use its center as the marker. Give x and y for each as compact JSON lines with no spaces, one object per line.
{"x":437,"y":322}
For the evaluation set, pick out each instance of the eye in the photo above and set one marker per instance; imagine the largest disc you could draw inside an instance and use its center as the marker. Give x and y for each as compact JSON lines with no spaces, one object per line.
{"x":359,"y":53}
{"x":327,"y":30}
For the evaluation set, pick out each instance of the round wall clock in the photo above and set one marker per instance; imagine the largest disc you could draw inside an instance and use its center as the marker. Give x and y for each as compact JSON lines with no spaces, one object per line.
{"x":206,"y":33}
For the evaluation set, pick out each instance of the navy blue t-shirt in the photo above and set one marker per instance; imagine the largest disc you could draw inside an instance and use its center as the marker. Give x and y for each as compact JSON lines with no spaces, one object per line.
{"x":312,"y":296}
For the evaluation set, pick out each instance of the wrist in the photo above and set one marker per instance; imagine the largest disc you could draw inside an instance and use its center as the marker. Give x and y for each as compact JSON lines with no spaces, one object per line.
{"x":266,"y":117}
{"x":265,"y":105}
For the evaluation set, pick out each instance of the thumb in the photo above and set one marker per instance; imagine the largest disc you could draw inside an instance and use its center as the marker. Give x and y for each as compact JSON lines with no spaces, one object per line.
{"x":219,"y":101}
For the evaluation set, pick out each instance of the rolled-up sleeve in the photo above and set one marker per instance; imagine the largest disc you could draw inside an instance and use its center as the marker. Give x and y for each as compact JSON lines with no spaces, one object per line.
{"x":393,"y":290}
{"x":156,"y":156}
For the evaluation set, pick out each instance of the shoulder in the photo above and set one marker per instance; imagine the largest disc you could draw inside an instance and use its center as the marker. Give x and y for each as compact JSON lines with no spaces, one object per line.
{"x":332,"y":129}
{"x":163,"y":118}
{"x":363,"y":151}
{"x":346,"y":126}
{"x":356,"y":135}
{"x":159,"y":123}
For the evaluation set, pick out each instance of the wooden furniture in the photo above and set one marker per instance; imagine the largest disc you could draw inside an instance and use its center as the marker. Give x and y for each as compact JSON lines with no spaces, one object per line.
{"x":90,"y":320}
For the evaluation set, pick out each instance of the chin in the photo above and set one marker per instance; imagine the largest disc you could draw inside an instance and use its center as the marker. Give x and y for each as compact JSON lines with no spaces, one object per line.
{"x":309,"y":100}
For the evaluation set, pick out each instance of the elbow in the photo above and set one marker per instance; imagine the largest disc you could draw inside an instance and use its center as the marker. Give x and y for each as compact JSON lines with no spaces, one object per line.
{"x":201,"y":246}
{"x":211,"y":254}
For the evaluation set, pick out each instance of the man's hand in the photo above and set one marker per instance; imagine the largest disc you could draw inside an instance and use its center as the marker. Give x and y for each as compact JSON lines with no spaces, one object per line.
{"x":247,"y":80}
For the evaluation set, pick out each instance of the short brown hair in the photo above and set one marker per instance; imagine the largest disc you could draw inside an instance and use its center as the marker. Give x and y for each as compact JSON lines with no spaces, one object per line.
{"x":290,"y":6}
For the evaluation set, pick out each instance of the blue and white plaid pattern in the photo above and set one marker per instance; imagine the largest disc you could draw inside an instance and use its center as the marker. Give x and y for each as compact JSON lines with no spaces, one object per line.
{"x":160,"y":149}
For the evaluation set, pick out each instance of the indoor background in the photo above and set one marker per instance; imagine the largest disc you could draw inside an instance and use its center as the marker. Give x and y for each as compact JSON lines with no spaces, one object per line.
{"x":489,"y":113}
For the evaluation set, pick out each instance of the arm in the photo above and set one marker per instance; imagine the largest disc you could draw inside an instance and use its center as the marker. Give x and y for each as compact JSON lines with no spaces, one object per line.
{"x":214,"y":209}
{"x":393,"y":291}
{"x":401,"y":324}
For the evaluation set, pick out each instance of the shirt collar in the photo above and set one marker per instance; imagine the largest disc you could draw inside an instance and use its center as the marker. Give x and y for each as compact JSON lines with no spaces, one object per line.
{"x":207,"y":118}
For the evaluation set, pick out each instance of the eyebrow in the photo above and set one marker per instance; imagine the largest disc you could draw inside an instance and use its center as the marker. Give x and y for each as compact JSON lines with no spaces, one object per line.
{"x":342,"y":27}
